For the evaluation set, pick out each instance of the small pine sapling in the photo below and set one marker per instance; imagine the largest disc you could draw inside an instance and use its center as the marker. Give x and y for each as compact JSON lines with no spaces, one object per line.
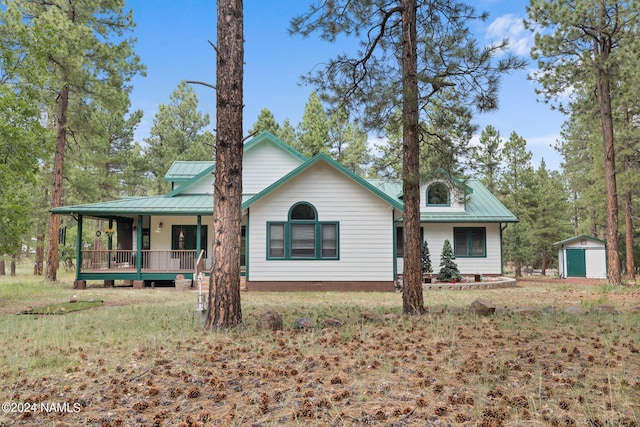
{"x":426,"y":266}
{"x":448,"y":267}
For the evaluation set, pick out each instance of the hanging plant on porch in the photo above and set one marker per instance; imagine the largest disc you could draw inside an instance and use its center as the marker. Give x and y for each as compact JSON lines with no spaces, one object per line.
{"x":109,"y":231}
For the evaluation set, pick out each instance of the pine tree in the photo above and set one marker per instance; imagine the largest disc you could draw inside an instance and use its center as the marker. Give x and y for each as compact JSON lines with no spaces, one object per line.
{"x":313,"y":130}
{"x":550,"y":216}
{"x":224,"y":284}
{"x":393,"y":69}
{"x":582,"y":43}
{"x":448,"y":267}
{"x":517,"y":189}
{"x":348,"y":142}
{"x":90,"y":61}
{"x":486,"y":157}
{"x":265,"y":122}
{"x":425,"y":265}
{"x":178,"y":133}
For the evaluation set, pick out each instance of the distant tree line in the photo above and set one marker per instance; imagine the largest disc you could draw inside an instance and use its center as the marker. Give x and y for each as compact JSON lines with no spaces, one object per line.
{"x":67,"y":127}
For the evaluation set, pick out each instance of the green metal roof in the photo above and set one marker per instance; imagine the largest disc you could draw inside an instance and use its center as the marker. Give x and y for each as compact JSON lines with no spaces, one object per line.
{"x":584,"y":236}
{"x":480,"y":206}
{"x":268,"y":136}
{"x":183,"y":170}
{"x":190,"y":204}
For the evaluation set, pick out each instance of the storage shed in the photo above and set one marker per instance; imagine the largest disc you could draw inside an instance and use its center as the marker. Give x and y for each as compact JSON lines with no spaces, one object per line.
{"x":582,"y":256}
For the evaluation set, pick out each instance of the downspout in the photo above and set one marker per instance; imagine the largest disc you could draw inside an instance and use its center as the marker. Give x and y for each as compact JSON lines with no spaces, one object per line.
{"x":394,"y":245}
{"x":502,"y":228}
{"x":246,"y":252}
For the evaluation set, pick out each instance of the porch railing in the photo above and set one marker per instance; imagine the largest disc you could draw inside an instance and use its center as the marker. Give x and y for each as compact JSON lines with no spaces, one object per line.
{"x":152,"y":260}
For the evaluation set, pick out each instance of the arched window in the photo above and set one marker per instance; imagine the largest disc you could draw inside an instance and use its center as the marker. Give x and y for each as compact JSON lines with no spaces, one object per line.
{"x":302,"y":211}
{"x":438,"y":194}
{"x":302,"y":236}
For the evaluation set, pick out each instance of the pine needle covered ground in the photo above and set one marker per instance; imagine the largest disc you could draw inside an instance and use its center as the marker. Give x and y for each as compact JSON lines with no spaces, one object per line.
{"x":143,"y":359}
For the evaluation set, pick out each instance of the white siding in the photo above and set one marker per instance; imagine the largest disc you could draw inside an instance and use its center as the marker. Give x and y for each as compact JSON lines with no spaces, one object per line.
{"x":204,"y":186}
{"x":595,"y":256}
{"x":455,"y":197}
{"x":596,"y":259}
{"x":365,"y":226}
{"x":436,"y":234}
{"x":263,"y":165}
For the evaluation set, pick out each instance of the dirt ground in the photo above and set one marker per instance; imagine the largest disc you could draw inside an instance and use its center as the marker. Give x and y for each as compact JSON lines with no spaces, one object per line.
{"x":530,"y":364}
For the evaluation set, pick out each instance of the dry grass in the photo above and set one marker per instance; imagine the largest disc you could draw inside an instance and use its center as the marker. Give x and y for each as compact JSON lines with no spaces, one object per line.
{"x":142,"y":359}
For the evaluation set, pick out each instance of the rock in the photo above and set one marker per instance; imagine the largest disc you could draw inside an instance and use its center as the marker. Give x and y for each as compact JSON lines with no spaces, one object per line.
{"x":271,"y":320}
{"x":605,"y":308}
{"x":482,"y":307}
{"x":575,"y":310}
{"x":304,"y":323}
{"x":73,"y":299}
{"x":548,"y":310}
{"x":331,"y":323}
{"x":366,"y":316}
{"x":527,"y":310}
{"x":635,"y":309}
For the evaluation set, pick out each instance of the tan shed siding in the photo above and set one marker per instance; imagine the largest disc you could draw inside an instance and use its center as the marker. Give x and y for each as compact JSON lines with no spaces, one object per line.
{"x":436,"y":234}
{"x":263,"y":165}
{"x":365,"y":222}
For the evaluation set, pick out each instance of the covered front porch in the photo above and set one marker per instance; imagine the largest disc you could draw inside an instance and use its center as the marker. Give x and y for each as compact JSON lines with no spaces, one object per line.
{"x":140,"y":250}
{"x":112,"y":265}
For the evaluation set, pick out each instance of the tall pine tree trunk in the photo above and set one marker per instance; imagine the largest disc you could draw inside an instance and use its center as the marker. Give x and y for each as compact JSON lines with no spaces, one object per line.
{"x":412,"y":293}
{"x":628,"y":222}
{"x":56,"y":189}
{"x":604,"y":102}
{"x":224,"y":285}
{"x":38,"y":262}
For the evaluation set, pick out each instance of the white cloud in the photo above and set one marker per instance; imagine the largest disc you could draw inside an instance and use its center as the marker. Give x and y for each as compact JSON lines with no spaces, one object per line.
{"x":511,"y":27}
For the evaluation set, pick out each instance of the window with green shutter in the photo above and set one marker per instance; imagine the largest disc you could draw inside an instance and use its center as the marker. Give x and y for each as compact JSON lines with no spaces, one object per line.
{"x":470,"y":242}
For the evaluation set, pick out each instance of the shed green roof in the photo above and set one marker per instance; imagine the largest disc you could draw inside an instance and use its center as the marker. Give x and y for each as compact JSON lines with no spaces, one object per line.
{"x":576,"y":238}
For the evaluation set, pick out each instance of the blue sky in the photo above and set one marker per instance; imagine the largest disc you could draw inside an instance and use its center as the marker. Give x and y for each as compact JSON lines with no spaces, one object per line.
{"x":172,"y":41}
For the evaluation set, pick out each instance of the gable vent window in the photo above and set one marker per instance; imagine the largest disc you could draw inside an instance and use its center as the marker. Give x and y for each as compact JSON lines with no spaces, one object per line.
{"x":303,"y":237}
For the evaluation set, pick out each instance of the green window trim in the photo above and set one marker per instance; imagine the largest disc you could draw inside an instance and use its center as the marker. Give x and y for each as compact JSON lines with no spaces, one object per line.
{"x":470,"y":242}
{"x":303,"y":240}
{"x":303,"y":237}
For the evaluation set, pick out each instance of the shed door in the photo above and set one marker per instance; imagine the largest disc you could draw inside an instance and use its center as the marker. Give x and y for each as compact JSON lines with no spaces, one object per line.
{"x":576,"y":264}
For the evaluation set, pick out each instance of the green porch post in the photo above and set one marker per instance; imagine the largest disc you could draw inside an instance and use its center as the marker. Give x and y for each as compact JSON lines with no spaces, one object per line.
{"x":198,"y":237}
{"x":79,"y":284}
{"x":139,"y":247}
{"x":79,"y":248}
{"x":109,"y":244}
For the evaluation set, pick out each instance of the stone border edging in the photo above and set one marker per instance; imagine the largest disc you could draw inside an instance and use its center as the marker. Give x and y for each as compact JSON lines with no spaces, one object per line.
{"x":502,"y":282}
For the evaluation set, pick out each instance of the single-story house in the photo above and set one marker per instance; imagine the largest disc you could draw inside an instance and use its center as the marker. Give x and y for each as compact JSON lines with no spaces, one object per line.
{"x":582,"y":256}
{"x":308,"y":224}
